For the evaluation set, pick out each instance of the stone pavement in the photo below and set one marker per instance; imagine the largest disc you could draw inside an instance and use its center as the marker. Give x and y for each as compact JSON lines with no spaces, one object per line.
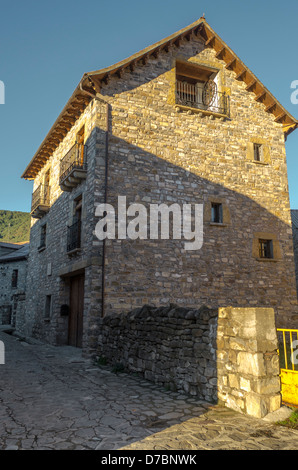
{"x":52,"y":398}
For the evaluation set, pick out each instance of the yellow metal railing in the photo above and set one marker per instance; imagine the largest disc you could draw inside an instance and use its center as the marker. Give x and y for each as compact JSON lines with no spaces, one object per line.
{"x":288,"y":352}
{"x":288,"y":363}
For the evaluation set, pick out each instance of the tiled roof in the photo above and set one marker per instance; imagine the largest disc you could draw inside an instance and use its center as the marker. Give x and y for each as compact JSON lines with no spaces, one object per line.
{"x":294,"y":216}
{"x":20,"y":253}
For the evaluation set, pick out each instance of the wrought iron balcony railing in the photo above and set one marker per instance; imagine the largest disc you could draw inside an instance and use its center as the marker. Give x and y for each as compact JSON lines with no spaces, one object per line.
{"x":40,"y":201}
{"x":73,"y":167}
{"x":202,"y":97}
{"x":74,"y":236}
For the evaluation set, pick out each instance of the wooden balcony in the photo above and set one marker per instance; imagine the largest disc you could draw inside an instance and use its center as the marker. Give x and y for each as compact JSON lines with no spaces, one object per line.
{"x":73,"y":167}
{"x":40,"y":201}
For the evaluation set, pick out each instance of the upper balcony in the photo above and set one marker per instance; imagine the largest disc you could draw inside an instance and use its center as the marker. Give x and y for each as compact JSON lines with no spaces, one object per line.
{"x":202,"y":97}
{"x":73,"y":167}
{"x":40,"y":201}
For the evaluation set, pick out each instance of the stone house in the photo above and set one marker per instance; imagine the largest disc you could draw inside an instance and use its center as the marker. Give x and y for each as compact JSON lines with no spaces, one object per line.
{"x":184,"y":121}
{"x":13,"y":272}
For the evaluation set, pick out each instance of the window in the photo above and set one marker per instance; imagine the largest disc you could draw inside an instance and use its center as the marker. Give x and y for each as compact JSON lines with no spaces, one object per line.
{"x":74,"y":230}
{"x":80,"y":137}
{"x":14,"y":278}
{"x":258,"y":152}
{"x":196,"y":87}
{"x":48,"y":307}
{"x":43,"y":236}
{"x":216,"y":213}
{"x":265,"y":249}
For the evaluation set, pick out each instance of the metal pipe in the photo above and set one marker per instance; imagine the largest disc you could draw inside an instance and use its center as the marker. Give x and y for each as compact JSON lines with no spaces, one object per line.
{"x":105,"y":201}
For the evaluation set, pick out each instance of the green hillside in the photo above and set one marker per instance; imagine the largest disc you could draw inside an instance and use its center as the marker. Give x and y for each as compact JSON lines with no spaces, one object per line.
{"x":14,"y":226}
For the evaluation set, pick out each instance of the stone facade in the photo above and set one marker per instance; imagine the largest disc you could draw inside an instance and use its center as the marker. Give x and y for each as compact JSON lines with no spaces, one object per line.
{"x":13,"y":272}
{"x":140,"y":145}
{"x":51,"y":266}
{"x":159,"y":156}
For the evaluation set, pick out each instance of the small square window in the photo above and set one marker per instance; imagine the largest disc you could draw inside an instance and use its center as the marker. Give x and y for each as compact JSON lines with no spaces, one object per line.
{"x":216,"y":213}
{"x":265,"y":249}
{"x":258,"y":153}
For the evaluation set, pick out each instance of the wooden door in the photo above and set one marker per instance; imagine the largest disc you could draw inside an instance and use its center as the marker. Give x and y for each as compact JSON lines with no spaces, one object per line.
{"x":75,"y":325}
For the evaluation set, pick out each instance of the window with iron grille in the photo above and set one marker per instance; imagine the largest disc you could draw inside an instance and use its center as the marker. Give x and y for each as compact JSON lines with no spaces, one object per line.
{"x":43,"y":236}
{"x":196,"y":87}
{"x":265,"y":249}
{"x":14,"y":278}
{"x":216,"y":213}
{"x":74,"y":230}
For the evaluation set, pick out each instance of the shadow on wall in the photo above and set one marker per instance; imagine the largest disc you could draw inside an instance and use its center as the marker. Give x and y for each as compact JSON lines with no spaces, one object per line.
{"x":226,"y":271}
{"x":171,"y":346}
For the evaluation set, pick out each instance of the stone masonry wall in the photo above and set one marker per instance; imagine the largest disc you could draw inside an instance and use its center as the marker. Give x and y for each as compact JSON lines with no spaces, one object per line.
{"x":8,"y":294}
{"x":171,"y":346}
{"x":50,"y":268}
{"x":247,"y":360}
{"x":228,"y":355}
{"x":158,"y":155}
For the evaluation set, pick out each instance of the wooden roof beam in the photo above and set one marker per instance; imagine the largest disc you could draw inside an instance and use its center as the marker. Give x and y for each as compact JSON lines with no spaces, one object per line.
{"x":251,"y":85}
{"x":280,"y":117}
{"x":198,"y":30}
{"x":240,"y":75}
{"x":49,"y":147}
{"x":177,"y":42}
{"x":120,"y":72}
{"x":67,"y":126}
{"x":106,"y":79}
{"x":260,"y":96}
{"x":209,"y":41}
{"x":231,"y":63}
{"x":146,"y":57}
{"x":220,"y":52}
{"x":59,"y":135}
{"x":270,"y":107}
{"x":82,"y":100}
{"x":69,"y":118}
{"x":156,"y":52}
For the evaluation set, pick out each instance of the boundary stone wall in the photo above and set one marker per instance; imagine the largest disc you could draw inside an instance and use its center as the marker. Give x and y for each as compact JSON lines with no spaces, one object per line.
{"x":247,"y":360}
{"x":171,"y":346}
{"x":226,"y":355}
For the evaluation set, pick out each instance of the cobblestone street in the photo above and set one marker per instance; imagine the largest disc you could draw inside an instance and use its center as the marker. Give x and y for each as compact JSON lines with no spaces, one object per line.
{"x":52,"y":398}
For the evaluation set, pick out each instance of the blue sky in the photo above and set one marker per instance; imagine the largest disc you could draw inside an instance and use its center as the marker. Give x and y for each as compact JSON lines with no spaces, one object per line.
{"x":45,"y":47}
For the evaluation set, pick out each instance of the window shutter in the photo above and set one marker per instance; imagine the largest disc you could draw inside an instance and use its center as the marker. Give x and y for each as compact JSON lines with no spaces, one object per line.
{"x":266,"y":154}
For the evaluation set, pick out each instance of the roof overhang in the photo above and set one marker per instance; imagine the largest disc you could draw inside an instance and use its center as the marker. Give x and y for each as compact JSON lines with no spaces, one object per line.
{"x":92,"y":83}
